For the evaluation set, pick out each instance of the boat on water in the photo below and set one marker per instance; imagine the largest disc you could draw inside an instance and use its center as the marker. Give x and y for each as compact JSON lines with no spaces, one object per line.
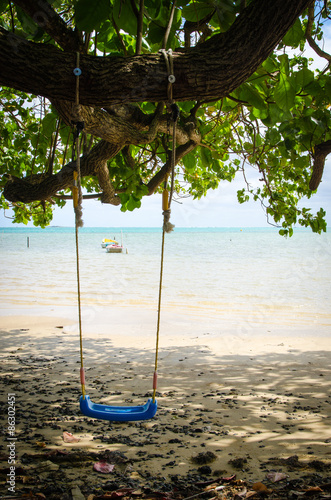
{"x":113,"y":246}
{"x":107,"y":241}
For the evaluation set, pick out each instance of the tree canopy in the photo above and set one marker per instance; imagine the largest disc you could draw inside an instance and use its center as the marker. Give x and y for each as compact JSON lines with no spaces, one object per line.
{"x":247,"y":97}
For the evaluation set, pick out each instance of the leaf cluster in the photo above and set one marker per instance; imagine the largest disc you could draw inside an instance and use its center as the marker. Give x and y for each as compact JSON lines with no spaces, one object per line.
{"x":266,"y":129}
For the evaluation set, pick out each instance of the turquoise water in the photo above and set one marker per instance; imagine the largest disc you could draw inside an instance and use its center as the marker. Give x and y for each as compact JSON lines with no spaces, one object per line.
{"x":212,"y":270}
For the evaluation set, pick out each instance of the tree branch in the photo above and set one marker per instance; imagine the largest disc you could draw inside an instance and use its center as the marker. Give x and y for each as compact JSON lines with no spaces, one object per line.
{"x":119,"y":36}
{"x":190,"y":27}
{"x":310,"y":39}
{"x":209,"y":71}
{"x":163,"y":173}
{"x":171,"y":18}
{"x":42,"y":187}
{"x":140,"y":27}
{"x":108,"y":191}
{"x":320,"y":153}
{"x":43,"y":14}
{"x":123,"y":124}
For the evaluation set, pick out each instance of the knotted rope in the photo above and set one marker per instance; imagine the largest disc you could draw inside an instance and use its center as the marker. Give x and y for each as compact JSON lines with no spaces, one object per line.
{"x":174,"y":114}
{"x":78,"y":122}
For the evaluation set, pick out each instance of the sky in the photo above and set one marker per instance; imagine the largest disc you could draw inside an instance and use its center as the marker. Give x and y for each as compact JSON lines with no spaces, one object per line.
{"x":219,"y":208}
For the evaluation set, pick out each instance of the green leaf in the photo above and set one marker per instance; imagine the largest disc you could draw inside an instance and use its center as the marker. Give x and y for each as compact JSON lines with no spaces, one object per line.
{"x":156,"y":33}
{"x":242,"y":197}
{"x":225,"y":14}
{"x":205,"y":157}
{"x":270,"y":65}
{"x":295,"y":34}
{"x":303,"y":77}
{"x":284,"y":64}
{"x":90,"y":15}
{"x":327,"y":89}
{"x":252,"y":96}
{"x":48,"y":124}
{"x":153,"y":7}
{"x":196,"y":11}
{"x":124,"y":16}
{"x":284,"y":92}
{"x":106,"y":32}
{"x":273,"y":135}
{"x":189,"y":162}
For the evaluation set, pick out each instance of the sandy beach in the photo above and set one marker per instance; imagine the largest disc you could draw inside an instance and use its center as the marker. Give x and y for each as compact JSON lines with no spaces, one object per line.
{"x":232,"y":404}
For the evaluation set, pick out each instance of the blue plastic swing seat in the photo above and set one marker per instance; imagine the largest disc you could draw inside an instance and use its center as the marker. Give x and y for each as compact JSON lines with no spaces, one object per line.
{"x":118,"y":413}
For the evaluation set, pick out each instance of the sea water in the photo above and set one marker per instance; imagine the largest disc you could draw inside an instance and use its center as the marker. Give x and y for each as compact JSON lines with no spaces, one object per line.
{"x":219,"y":272}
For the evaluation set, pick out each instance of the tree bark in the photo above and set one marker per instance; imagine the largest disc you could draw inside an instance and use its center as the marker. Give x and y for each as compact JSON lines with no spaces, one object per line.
{"x":209,"y":71}
{"x":43,"y":187}
{"x":322,"y":150}
{"x":43,"y":14}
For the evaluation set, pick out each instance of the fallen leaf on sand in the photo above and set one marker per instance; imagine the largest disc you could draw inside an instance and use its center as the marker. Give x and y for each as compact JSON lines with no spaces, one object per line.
{"x":241,"y":494}
{"x":312,"y":490}
{"x":69,"y":438}
{"x":251,"y":493}
{"x":229,"y":478}
{"x":276,"y":476}
{"x":103,"y":467}
{"x":40,"y":444}
{"x":260,"y":487}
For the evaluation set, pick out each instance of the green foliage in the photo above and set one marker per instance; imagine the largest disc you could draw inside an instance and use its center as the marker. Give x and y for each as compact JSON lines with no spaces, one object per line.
{"x":89,"y":16}
{"x":269,"y":125}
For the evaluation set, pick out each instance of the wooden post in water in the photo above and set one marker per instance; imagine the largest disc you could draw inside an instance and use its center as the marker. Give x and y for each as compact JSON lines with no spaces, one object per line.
{"x":28,"y":242}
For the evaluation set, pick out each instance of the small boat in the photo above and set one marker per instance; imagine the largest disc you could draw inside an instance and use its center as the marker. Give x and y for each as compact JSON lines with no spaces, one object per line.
{"x":112,"y":246}
{"x":108,"y":241}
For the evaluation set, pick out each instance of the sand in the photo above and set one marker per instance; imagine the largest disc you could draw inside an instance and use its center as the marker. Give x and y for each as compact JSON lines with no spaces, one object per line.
{"x":228,"y":401}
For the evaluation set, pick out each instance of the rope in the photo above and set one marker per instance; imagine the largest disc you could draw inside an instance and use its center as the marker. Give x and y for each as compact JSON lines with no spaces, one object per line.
{"x":158,"y":319}
{"x":79,"y":127}
{"x":174,"y":112}
{"x":77,"y":199}
{"x":166,"y":200}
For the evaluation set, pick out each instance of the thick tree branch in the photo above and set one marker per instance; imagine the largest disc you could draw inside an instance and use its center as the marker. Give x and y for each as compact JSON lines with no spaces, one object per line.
{"x":43,"y":14}
{"x":190,"y":27}
{"x":108,"y":191}
{"x":163,"y":173}
{"x":209,"y":71}
{"x":320,"y":154}
{"x":43,"y":187}
{"x":124,"y":124}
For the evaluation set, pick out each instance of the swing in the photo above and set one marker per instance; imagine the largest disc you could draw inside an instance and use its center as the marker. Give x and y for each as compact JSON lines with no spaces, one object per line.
{"x":87,"y":407}
{"x":117,"y":413}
